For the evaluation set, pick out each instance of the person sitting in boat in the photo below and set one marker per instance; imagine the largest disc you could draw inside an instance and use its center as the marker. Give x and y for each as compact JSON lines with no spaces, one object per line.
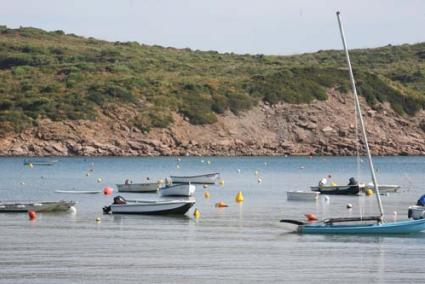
{"x":352,"y":181}
{"x":323,"y":182}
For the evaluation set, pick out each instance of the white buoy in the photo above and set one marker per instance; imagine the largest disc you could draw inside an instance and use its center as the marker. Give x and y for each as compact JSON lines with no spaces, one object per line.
{"x":326,"y":198}
{"x":99,"y":180}
{"x":209,"y":162}
{"x":73,"y":210}
{"x":349,"y":206}
{"x":239,"y":170}
{"x":178,"y":166}
{"x":259,"y":180}
{"x":202,"y":161}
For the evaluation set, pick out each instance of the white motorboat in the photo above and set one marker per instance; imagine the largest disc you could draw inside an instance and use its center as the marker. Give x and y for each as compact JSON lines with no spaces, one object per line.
{"x":42,"y":206}
{"x":138,"y":187}
{"x":180,"y":189}
{"x":151,"y":207}
{"x":302,"y":195}
{"x":199,"y":179}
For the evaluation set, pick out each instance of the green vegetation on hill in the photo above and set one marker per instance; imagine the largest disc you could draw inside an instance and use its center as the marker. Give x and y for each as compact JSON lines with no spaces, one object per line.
{"x":59,"y":76}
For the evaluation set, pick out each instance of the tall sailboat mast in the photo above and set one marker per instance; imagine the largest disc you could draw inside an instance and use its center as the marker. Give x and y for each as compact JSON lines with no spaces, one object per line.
{"x":359,"y":113}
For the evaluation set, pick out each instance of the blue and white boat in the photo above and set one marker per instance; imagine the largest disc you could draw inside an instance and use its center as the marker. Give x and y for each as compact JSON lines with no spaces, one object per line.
{"x":362,"y":225}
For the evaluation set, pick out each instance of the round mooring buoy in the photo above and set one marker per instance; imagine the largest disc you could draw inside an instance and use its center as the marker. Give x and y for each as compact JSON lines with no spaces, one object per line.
{"x":32,"y":215}
{"x":107,"y":190}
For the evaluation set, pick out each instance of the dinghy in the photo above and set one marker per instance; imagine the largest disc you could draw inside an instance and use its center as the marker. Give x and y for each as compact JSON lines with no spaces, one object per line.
{"x":149,"y":207}
{"x":380,"y":227}
{"x":79,"y":191}
{"x":39,"y":206}
{"x":302,"y":195}
{"x":43,"y":162}
{"x":138,"y":187}
{"x":182,"y":189}
{"x":199,"y":179}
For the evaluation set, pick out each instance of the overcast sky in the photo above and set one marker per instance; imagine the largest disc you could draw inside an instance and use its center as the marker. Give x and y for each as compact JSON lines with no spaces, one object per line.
{"x":240,"y":26}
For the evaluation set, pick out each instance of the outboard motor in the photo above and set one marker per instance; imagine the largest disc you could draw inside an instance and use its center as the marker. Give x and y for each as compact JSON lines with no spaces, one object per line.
{"x":352,"y":181}
{"x":106,"y":209}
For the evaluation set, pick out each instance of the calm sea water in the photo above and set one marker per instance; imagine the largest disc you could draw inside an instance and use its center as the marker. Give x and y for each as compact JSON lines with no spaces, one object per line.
{"x":242,"y":243}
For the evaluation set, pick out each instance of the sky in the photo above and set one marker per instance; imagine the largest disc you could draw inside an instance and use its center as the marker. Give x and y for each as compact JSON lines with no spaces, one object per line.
{"x":279,"y":27}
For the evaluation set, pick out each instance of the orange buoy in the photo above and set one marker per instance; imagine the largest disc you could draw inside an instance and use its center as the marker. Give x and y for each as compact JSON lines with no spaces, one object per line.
{"x":221,"y":204}
{"x":311,"y":217}
{"x":32,"y":215}
{"x":107,"y":190}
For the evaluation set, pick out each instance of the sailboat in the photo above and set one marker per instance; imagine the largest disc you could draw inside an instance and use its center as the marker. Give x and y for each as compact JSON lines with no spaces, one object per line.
{"x":362,"y":225}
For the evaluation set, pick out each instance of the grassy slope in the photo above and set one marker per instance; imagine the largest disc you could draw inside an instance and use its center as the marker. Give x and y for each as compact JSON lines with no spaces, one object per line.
{"x":50,"y":74}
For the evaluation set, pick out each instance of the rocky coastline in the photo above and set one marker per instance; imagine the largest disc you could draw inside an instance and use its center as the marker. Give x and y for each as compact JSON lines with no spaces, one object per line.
{"x":320,"y":128}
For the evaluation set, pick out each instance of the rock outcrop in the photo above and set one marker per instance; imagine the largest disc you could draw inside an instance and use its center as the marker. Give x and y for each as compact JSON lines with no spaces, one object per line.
{"x":319,"y":128}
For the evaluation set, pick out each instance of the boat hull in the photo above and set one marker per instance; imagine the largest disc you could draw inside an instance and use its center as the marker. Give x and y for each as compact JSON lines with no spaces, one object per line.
{"x":302,"y":196}
{"x":337,"y":189}
{"x":402,"y":227}
{"x":21,"y":207}
{"x":161,"y":208}
{"x":138,"y":187}
{"x":199,"y":179}
{"x":384,"y":188}
{"x":186,"y":190}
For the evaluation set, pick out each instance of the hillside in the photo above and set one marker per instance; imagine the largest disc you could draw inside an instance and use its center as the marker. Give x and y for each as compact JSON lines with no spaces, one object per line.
{"x":68,"y":95}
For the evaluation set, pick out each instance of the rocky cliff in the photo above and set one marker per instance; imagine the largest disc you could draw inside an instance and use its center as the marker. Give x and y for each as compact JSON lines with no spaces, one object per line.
{"x":320,"y":128}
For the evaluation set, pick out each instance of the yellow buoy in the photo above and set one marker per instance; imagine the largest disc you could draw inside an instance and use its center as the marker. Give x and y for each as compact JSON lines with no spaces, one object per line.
{"x":209,"y":162}
{"x":221,"y":182}
{"x":30,"y":165}
{"x":196,"y":213}
{"x":257,"y":173}
{"x":239,"y":197}
{"x":369,"y":192}
{"x":206,"y":194}
{"x":333,"y":183}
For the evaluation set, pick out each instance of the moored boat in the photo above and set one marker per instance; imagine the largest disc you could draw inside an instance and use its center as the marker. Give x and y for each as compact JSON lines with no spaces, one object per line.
{"x":180,"y":189}
{"x":42,"y":206}
{"x":302,"y":195}
{"x":337,"y":189}
{"x":48,"y":162}
{"x":79,"y":191}
{"x":138,"y":187}
{"x":210,"y":178}
{"x":149,"y":207}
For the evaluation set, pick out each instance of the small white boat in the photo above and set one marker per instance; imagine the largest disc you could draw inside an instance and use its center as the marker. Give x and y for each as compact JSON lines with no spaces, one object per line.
{"x":199,"y":179}
{"x":138,"y":187}
{"x":42,"y":206}
{"x":79,"y":191}
{"x":383,"y":188}
{"x":181,"y":189}
{"x":302,"y":195}
{"x":151,"y":207}
{"x":416,"y":212}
